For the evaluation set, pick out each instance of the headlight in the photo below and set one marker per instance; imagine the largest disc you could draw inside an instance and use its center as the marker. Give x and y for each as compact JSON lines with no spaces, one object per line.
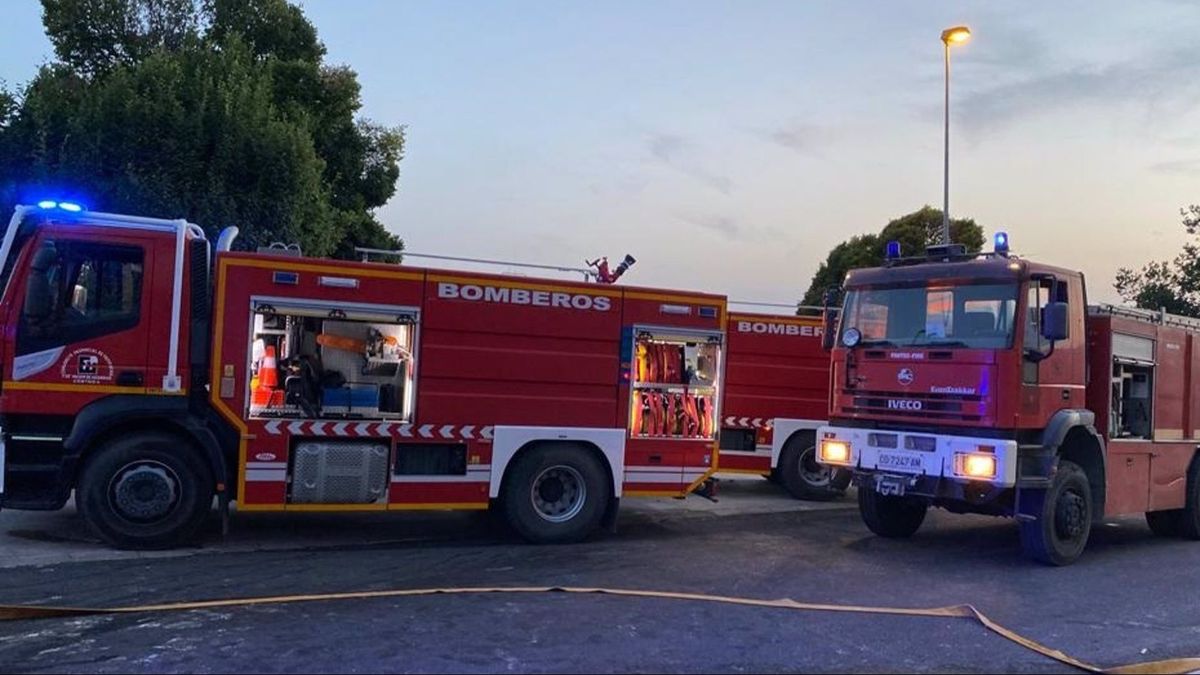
{"x":975,"y":465}
{"x":834,"y":452}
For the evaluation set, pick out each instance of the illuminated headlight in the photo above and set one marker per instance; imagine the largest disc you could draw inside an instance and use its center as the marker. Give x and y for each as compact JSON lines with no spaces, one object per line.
{"x":834,"y":452}
{"x":975,"y":464}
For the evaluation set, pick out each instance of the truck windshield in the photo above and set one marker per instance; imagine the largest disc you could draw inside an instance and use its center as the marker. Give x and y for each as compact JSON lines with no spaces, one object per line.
{"x":976,"y":316}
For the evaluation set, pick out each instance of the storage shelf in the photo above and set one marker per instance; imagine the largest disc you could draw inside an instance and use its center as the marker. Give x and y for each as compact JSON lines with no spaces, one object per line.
{"x":702,"y":388}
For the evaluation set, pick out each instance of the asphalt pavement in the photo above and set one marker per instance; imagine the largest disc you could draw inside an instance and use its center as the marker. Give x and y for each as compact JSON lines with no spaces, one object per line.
{"x":1132,"y":597}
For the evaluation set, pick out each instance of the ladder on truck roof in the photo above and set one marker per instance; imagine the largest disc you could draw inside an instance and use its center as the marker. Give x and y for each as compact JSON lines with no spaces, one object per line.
{"x":1146,"y":315}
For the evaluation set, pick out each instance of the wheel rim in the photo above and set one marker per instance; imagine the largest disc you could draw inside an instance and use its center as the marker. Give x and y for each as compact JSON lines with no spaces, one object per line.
{"x":1070,"y":515}
{"x":558,"y":493}
{"x":813,"y":473}
{"x":144,"y":491}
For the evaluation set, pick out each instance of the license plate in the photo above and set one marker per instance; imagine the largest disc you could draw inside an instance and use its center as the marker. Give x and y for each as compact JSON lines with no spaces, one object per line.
{"x":891,"y":485}
{"x":907,"y":462}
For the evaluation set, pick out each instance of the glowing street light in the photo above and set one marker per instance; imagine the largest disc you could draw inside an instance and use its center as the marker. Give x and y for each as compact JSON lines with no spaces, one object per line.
{"x":955,"y":35}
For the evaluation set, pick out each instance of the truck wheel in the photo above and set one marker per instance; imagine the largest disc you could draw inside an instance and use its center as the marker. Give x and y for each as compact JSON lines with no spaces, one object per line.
{"x":1061,"y":530}
{"x":803,"y":477}
{"x":1189,"y":519}
{"x":146,"y":490}
{"x":890,"y":516}
{"x":556,"y":494}
{"x":1165,"y":523}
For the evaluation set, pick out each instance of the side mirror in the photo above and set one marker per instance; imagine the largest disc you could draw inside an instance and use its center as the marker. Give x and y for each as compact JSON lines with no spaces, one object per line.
{"x":829,"y":332}
{"x":1055,"y":321}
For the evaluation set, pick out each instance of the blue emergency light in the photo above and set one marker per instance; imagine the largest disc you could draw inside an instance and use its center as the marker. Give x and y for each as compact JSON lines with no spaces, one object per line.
{"x":893,"y":250}
{"x":1001,"y":242}
{"x":71,"y":207}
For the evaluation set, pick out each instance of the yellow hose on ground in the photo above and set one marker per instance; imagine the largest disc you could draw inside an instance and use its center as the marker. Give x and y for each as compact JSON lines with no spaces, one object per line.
{"x":1170,"y":666}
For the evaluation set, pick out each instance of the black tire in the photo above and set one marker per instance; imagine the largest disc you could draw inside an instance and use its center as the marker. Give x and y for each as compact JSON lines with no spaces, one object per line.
{"x":800,"y":474}
{"x":1189,"y":517}
{"x":1061,"y":530}
{"x":147,"y":490}
{"x":542,"y":499}
{"x":1165,"y":523}
{"x":890,"y":516}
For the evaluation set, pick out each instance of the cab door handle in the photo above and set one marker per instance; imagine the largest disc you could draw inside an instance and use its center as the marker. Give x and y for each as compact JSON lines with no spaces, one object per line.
{"x":130,"y":378}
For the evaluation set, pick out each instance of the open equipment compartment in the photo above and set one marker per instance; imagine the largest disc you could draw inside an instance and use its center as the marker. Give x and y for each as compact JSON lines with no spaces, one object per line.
{"x":313,"y":359}
{"x":675,"y":383}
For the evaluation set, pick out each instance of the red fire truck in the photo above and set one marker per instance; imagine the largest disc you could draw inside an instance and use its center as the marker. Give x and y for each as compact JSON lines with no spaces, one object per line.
{"x":985,"y":384}
{"x":147,"y":373}
{"x":776,"y":396}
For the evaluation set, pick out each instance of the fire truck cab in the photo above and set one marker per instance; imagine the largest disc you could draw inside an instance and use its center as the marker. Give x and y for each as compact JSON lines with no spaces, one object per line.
{"x":145,"y":373}
{"x":985,"y":384}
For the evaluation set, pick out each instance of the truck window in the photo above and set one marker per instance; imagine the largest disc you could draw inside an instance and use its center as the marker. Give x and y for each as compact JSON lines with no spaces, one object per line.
{"x":1038,"y":294}
{"x":79,"y":291}
{"x":972,"y":316}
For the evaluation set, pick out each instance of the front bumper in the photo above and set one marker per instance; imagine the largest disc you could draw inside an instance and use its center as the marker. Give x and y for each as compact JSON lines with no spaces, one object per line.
{"x":922,"y":455}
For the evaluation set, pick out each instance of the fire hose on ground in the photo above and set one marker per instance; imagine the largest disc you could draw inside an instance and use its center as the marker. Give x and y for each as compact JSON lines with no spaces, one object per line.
{"x":1183,"y":665}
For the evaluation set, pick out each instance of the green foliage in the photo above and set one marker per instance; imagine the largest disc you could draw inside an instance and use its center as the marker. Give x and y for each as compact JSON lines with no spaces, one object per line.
{"x":1172,"y":285}
{"x":915,"y":231}
{"x":94,"y":36}
{"x":220,"y":112}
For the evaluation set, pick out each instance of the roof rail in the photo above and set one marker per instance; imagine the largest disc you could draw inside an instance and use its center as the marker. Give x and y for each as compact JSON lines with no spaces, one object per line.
{"x":366,"y":253}
{"x":1147,"y":315}
{"x":800,"y":310}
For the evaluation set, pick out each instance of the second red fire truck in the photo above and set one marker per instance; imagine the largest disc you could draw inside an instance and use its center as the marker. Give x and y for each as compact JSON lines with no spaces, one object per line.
{"x":145,"y":373}
{"x":776,"y":396}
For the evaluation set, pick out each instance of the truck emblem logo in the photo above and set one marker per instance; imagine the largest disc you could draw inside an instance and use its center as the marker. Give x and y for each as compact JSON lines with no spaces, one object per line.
{"x":894,"y":404}
{"x":905,"y":376}
{"x":87,"y":365}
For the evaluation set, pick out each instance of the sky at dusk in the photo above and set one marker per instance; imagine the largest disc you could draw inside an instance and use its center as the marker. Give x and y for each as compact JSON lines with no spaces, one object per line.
{"x":729,"y":145}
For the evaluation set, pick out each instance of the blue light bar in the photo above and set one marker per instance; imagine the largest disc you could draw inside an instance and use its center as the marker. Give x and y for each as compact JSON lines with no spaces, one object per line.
{"x":70,"y":206}
{"x":47,"y":204}
{"x":1001,"y":242}
{"x":893,"y":250}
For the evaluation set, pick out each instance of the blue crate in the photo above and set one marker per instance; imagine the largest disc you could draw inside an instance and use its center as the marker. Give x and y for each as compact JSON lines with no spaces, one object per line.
{"x":358,"y":398}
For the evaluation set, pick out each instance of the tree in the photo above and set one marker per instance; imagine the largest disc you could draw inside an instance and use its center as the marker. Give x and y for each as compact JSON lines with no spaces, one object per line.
{"x":915,"y":231}
{"x":1171,"y":285}
{"x":219,"y":111}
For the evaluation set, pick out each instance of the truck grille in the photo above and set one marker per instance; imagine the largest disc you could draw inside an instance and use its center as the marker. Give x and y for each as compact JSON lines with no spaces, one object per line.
{"x":339,"y":472}
{"x":914,"y":405}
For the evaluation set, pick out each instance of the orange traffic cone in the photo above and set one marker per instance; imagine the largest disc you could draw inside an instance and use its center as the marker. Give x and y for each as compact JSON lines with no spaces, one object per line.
{"x":268,"y":379}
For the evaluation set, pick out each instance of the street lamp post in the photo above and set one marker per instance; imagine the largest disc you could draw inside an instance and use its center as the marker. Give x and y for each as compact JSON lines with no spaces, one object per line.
{"x":955,"y":35}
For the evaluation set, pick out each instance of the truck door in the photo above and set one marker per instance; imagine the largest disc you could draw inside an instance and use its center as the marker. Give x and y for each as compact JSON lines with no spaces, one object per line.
{"x":78,"y":307}
{"x":1052,"y":376}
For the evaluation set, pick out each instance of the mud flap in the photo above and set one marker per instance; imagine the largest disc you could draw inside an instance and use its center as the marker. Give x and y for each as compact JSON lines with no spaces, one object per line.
{"x":1028,"y":502}
{"x":3,"y":468}
{"x":609,"y":522}
{"x":223,"y":507}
